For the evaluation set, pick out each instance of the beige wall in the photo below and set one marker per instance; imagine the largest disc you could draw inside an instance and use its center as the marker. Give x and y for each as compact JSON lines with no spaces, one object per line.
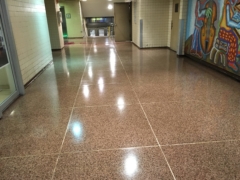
{"x":157,"y":17}
{"x":135,"y":22}
{"x":30,"y":30}
{"x":75,"y":23}
{"x":55,"y":28}
{"x":156,"y":22}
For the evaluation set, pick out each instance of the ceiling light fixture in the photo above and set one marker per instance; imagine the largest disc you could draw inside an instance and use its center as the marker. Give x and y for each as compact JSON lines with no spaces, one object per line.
{"x":110,"y":6}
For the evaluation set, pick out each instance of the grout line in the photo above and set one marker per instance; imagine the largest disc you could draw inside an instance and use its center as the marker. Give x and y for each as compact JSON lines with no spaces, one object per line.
{"x":54,"y":170}
{"x":147,"y":119}
{"x":127,"y":148}
{"x":81,"y":86}
{"x":112,"y":149}
{"x":172,"y":101}
{"x":37,"y":155}
{"x":105,"y":105}
{"x":203,"y":142}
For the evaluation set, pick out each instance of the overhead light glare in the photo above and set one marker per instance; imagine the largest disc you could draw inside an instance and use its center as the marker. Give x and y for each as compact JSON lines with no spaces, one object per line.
{"x":110,"y":6}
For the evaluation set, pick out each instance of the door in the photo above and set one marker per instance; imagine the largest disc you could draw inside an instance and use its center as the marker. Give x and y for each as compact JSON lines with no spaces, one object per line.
{"x":64,"y":22}
{"x":175,"y":25}
{"x":122,"y":21}
{"x":9,"y":85}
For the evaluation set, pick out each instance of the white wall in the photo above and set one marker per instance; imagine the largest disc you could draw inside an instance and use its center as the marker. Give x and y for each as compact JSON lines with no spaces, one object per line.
{"x":30,"y":30}
{"x":157,"y":17}
{"x":135,"y":22}
{"x":74,"y":24}
{"x":55,"y":28}
{"x":96,"y":9}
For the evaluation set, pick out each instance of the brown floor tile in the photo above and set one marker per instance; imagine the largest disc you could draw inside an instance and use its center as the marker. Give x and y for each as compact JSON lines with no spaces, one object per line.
{"x":27,"y":168}
{"x":33,"y":132}
{"x":60,"y":79}
{"x":45,"y":97}
{"x":185,"y":102}
{"x":107,"y":128}
{"x":123,"y":164}
{"x":104,"y":77}
{"x":105,"y":66}
{"x":105,"y":94}
{"x":176,"y":90}
{"x":191,"y":121}
{"x":62,"y":68}
{"x":220,"y":161}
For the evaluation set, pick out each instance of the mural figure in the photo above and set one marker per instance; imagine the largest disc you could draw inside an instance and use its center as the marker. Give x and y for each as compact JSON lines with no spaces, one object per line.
{"x":227,"y":44}
{"x":204,"y":32}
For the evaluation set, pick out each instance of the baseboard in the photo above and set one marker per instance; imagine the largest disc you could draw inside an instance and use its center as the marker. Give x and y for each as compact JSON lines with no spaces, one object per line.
{"x":73,"y":38}
{"x":158,"y":47}
{"x":57,"y":49}
{"x":216,"y":68}
{"x":37,"y":75}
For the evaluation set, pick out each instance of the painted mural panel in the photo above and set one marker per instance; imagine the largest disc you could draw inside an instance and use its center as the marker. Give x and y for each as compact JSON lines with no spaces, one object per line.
{"x":213,"y":33}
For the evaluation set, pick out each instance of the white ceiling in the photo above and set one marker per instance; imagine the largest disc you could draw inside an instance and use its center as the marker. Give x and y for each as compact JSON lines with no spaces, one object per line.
{"x":108,"y":0}
{"x":97,"y":0}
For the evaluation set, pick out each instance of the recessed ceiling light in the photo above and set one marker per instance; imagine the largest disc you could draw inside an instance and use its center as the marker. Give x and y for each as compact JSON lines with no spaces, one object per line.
{"x":110,"y":6}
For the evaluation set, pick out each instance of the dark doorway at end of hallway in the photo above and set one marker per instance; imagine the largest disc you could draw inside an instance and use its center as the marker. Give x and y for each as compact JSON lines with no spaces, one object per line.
{"x":123,"y":21}
{"x":64,"y":22}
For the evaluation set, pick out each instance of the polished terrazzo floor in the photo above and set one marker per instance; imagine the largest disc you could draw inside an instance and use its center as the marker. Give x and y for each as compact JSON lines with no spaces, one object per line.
{"x":106,"y":110}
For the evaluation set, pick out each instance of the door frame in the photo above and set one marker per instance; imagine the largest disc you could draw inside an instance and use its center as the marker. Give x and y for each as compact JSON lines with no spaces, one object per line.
{"x":172,"y":26}
{"x":12,"y":54}
{"x":64,"y":20}
{"x":130,"y":13}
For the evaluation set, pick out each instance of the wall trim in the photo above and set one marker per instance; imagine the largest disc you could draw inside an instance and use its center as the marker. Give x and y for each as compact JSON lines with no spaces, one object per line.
{"x":216,"y":68}
{"x":37,"y":75}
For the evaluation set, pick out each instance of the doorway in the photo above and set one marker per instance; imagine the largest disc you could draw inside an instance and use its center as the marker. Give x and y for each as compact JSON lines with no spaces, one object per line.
{"x":11,"y":85}
{"x":122,"y":22}
{"x":64,"y":22}
{"x":175,"y":25}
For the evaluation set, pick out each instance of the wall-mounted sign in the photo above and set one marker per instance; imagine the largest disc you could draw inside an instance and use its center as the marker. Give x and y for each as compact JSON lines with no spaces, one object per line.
{"x":68,"y":16}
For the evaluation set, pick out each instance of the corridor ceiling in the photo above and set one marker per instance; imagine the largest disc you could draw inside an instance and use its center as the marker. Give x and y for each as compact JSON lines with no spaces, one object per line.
{"x":98,"y":0}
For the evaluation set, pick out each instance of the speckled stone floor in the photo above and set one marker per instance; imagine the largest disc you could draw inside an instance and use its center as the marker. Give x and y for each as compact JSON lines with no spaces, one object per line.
{"x":106,"y":110}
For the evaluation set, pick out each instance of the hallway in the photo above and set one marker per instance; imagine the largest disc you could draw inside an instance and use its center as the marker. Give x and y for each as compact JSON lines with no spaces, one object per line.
{"x":105,"y":110}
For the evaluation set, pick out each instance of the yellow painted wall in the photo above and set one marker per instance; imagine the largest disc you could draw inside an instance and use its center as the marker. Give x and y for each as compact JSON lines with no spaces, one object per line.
{"x":75,"y":23}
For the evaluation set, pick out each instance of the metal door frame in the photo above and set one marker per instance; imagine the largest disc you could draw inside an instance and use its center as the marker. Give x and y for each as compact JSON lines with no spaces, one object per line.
{"x":12,"y":55}
{"x":130,"y":13}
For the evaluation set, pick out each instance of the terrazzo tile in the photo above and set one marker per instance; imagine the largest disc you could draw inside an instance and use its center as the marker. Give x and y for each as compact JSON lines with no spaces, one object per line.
{"x":108,"y":127}
{"x":209,"y":161}
{"x":33,"y":132}
{"x":45,"y":97}
{"x":123,"y":164}
{"x":105,"y":94}
{"x":190,"y":122}
{"x":105,"y":66}
{"x":104,"y":77}
{"x":195,"y":104}
{"x":59,"y":69}
{"x":63,"y":79}
{"x":38,"y":167}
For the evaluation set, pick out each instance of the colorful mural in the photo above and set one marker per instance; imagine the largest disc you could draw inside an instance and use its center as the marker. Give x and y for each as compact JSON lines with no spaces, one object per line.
{"x":213,"y":32}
